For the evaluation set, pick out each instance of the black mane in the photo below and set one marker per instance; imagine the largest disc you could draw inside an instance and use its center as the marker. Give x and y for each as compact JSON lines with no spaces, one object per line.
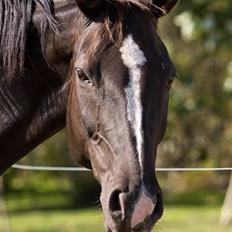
{"x":15,"y":18}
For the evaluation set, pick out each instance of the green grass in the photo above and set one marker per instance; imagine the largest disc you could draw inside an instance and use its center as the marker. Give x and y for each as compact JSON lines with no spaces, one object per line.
{"x":175,"y":219}
{"x":57,"y":221}
{"x":192,"y":219}
{"x":187,"y":212}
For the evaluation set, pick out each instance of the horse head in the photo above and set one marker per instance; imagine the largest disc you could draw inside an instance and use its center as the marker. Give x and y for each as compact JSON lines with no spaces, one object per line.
{"x":117,"y":111}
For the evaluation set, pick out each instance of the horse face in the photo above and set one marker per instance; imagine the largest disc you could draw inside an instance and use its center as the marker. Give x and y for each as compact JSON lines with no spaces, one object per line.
{"x":117,"y":116}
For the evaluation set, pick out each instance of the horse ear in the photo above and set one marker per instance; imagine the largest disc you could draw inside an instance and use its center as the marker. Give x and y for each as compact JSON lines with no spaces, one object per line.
{"x":90,"y":8}
{"x":162,"y":7}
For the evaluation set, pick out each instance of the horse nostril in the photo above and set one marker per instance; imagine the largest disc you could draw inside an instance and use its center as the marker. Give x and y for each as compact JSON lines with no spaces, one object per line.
{"x":115,"y":205}
{"x":115,"y":201}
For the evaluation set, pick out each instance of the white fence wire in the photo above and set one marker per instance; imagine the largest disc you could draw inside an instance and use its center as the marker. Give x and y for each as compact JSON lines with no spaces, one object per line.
{"x":80,"y":169}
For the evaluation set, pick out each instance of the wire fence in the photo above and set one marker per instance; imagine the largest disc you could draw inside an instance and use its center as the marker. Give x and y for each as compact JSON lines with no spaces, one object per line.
{"x":80,"y":169}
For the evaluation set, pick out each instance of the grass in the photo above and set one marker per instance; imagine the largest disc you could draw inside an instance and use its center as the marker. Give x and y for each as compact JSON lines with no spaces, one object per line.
{"x":184,"y":213}
{"x":192,"y":219}
{"x":57,"y":221}
{"x":176,"y":219}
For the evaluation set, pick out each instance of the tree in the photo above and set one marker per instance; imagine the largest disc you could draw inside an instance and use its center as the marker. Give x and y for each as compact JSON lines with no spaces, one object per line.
{"x":226,"y":213}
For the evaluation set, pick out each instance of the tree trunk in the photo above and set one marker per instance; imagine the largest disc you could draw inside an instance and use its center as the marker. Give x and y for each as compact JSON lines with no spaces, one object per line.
{"x":4,"y":220}
{"x":226,"y":213}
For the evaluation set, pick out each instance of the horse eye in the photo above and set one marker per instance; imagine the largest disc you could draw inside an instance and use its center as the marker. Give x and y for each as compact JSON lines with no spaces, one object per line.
{"x":82,"y":76}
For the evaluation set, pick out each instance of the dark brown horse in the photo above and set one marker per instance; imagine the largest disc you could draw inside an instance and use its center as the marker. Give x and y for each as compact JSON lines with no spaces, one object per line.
{"x":100,"y":69}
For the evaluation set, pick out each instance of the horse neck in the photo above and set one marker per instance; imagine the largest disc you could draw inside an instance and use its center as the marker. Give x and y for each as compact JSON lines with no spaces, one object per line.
{"x":33,"y":106}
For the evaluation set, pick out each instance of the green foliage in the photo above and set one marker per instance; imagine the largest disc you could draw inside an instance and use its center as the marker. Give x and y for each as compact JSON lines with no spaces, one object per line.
{"x":199,"y":129}
{"x":206,"y":20}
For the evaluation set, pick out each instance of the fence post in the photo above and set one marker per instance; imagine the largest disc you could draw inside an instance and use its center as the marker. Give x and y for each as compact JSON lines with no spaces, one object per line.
{"x":4,"y":220}
{"x":226,"y":212}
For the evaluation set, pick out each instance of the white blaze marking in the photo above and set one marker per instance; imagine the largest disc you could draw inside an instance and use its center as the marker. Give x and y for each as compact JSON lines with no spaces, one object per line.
{"x":133,"y":57}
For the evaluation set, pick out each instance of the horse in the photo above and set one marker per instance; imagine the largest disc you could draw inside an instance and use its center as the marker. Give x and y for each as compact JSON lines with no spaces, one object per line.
{"x":100,"y":69}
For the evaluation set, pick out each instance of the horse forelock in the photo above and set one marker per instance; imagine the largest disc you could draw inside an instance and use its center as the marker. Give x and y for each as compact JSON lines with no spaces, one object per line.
{"x":15,"y":18}
{"x":99,"y":35}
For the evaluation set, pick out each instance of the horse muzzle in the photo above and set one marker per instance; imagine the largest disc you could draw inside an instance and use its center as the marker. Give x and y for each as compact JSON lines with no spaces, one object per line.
{"x":133,"y":211}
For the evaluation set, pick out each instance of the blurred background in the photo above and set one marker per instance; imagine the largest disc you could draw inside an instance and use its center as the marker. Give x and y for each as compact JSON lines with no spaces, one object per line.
{"x":198,"y":34}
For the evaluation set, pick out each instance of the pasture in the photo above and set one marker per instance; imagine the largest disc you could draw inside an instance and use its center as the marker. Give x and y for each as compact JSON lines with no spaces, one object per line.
{"x":193,"y":212}
{"x":176,"y":219}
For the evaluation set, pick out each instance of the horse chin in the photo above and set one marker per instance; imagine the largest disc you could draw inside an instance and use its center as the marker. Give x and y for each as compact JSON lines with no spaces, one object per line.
{"x":146,"y":226}
{"x":125,"y":226}
{"x":129,"y":230}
